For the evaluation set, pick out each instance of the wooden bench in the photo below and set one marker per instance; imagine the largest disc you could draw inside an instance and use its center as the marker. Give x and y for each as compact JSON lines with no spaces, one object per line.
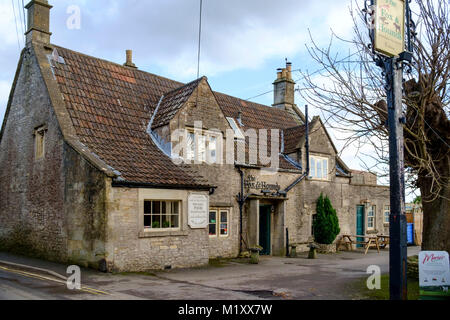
{"x":368,"y":242}
{"x":383,"y":241}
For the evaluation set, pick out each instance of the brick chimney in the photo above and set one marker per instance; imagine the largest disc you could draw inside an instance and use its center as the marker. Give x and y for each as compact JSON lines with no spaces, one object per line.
{"x":38,"y":21}
{"x":129,"y":62}
{"x":284,"y":93}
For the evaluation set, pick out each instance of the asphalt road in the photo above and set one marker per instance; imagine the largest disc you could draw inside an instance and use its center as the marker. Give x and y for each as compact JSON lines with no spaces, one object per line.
{"x":274,"y":278}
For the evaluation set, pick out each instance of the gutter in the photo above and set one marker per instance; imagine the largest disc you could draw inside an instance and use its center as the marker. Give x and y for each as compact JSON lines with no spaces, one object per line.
{"x":306,"y":173}
{"x":132,"y":184}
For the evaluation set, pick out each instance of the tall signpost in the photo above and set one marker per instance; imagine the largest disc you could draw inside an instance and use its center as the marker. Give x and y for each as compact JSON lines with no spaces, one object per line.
{"x":388,"y":44}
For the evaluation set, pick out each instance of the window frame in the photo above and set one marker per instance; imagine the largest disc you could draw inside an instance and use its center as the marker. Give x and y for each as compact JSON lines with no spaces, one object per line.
{"x":160,"y":228}
{"x":314,"y":162}
{"x":388,"y":211}
{"x":193,"y":154}
{"x":373,"y":210}
{"x":218,"y":215}
{"x":39,"y":142}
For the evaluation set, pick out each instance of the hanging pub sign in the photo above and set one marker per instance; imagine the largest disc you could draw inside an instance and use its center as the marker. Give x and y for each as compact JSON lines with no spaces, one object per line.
{"x":198,"y":210}
{"x":389,"y":27}
{"x":434,"y":274}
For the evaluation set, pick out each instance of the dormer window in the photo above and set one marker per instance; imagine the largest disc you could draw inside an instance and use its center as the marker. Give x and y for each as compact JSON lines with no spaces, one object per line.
{"x":237,"y":132}
{"x":202,"y":147}
{"x":318,"y":168}
{"x":39,"y":142}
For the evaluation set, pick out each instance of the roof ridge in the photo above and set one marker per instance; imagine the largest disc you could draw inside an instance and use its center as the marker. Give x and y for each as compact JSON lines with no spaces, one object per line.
{"x":251,"y":102}
{"x":183,"y":86}
{"x":117,"y":64}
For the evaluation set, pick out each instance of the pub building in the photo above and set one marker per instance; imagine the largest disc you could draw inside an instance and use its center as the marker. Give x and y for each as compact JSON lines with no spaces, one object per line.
{"x":89,"y":174}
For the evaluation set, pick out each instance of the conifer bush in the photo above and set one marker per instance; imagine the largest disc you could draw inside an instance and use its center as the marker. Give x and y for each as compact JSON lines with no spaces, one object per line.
{"x":326,"y":224}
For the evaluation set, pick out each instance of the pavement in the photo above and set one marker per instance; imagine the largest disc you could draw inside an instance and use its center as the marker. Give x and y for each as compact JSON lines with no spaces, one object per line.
{"x":329,"y":277}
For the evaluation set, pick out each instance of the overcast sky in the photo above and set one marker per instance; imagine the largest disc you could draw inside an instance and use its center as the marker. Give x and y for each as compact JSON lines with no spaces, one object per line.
{"x":243,"y":42}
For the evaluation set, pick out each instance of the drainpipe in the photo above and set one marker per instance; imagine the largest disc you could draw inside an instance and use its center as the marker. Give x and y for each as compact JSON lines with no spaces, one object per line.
{"x":306,"y":174}
{"x":241,"y":201}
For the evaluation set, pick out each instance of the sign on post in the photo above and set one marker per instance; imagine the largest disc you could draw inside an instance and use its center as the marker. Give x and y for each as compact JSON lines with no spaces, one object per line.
{"x":434,"y":273}
{"x":390,"y":27}
{"x":198,"y":211}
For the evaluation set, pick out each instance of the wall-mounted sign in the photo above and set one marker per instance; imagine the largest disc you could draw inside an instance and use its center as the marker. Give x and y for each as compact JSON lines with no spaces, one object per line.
{"x":434,"y":273}
{"x":252,"y":183}
{"x":390,"y":27}
{"x":198,"y":210}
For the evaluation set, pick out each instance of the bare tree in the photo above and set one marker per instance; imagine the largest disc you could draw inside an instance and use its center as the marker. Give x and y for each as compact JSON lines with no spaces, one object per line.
{"x":354,"y":99}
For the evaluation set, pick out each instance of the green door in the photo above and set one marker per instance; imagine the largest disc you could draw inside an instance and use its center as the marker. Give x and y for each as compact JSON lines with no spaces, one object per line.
{"x":360,"y":223}
{"x":264,"y":229}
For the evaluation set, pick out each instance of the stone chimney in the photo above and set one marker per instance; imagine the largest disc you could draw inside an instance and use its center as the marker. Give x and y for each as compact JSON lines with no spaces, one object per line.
{"x":38,"y":21}
{"x":129,"y":62}
{"x":284,"y":93}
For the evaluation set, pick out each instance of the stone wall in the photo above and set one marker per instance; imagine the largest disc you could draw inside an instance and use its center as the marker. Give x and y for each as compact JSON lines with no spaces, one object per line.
{"x":130,"y":248}
{"x":52,"y":208}
{"x":85,"y":211}
{"x":32,"y":220}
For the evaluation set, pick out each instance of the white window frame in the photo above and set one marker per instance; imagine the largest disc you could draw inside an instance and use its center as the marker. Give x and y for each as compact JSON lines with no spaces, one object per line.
{"x":218,"y":215}
{"x":386,"y":214}
{"x":371,"y":216}
{"x":314,"y":162}
{"x":161,"y":228}
{"x":199,"y":143}
{"x":237,"y":131}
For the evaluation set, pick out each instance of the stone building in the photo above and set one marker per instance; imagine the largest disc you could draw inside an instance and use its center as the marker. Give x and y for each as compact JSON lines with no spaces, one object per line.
{"x":89,"y":173}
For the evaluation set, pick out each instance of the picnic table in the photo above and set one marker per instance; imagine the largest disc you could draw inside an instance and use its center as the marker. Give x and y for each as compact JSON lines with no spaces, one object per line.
{"x":367,"y":241}
{"x":383,"y":241}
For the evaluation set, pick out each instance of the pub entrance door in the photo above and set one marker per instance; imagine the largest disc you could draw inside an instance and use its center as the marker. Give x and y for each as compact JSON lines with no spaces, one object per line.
{"x":264,"y":229}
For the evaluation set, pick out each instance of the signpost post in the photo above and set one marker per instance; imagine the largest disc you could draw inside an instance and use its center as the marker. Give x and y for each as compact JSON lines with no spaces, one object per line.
{"x":388,"y":45}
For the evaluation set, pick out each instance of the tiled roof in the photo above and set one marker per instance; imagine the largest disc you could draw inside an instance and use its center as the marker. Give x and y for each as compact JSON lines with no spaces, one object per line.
{"x":172,"y":102}
{"x":254,"y":115}
{"x":110,"y":107}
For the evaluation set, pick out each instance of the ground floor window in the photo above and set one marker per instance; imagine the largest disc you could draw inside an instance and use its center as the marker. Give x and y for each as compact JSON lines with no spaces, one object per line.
{"x":219,"y":222}
{"x":387,"y":213}
{"x":161,"y":214}
{"x":371,"y":218}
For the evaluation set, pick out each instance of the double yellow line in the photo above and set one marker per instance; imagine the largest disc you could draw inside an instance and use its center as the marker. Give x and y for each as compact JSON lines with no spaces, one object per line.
{"x":41,"y":277}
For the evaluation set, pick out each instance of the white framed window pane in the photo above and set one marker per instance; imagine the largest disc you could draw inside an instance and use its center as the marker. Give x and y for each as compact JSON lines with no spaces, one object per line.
{"x":190,"y":143}
{"x":212,"y":223}
{"x":224,"y":223}
{"x":319,"y":169}
{"x":370,"y":223}
{"x":147,"y":221}
{"x":212,"y":149}
{"x":175,"y":221}
{"x":325,"y":169}
{"x":201,"y":148}
{"x":313,"y":167}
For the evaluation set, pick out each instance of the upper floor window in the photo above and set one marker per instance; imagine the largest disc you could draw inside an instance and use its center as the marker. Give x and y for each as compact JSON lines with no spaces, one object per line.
{"x":39,"y":142}
{"x":387,"y":213}
{"x":161,"y":214}
{"x":318,"y":168}
{"x":202,"y":147}
{"x":237,"y":132}
{"x":371,"y":218}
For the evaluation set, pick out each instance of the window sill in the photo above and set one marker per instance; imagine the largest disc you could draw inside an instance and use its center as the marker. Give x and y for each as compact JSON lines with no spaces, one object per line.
{"x":156,"y":234}
{"x":372,"y":231}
